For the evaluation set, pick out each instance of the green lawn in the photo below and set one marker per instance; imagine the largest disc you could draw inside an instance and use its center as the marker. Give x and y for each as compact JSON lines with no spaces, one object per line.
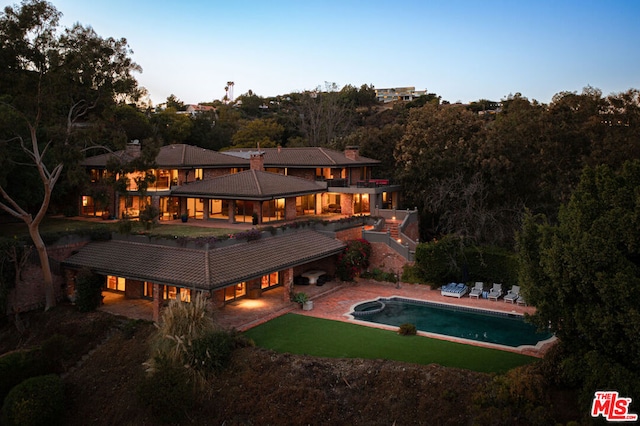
{"x":300,"y":334}
{"x":62,"y":225}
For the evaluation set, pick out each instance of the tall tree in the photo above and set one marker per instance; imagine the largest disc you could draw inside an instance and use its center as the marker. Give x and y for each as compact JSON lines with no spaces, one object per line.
{"x":171,"y":126}
{"x":583,"y":276}
{"x":323,"y":117}
{"x":264,"y":133}
{"x":53,"y":91}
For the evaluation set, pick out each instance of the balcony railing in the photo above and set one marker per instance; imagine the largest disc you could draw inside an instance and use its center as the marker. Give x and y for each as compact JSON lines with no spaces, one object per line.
{"x":365,"y":183}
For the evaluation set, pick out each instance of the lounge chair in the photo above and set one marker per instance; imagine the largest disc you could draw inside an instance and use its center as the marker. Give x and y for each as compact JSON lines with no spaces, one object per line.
{"x":477,"y":290}
{"x":454,"y":290}
{"x":520,"y":301}
{"x":496,"y":292}
{"x":512,"y":295}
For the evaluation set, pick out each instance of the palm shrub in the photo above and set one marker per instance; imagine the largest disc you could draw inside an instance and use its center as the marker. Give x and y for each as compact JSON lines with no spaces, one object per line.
{"x":181,"y":324}
{"x":187,"y":349}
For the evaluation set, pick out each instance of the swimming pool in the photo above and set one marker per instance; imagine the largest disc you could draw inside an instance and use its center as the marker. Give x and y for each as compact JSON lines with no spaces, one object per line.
{"x":461,"y":322}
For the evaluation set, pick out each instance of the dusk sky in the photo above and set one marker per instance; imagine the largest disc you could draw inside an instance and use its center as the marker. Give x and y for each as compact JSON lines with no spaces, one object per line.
{"x":460,"y":50}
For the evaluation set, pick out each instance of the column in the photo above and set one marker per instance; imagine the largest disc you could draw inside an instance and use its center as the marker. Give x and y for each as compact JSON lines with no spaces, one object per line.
{"x":287,"y":283}
{"x":158,"y":292}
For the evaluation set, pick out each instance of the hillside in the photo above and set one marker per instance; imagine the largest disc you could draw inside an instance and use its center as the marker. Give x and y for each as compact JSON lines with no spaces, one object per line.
{"x":263,"y":387}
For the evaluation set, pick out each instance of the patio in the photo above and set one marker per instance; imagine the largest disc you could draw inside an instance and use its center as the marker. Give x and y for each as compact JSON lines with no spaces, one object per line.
{"x":334,"y":300}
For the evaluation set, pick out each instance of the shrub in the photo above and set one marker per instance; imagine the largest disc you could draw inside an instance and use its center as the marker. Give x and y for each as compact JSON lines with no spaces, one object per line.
{"x":149,"y":216}
{"x":18,"y":366}
{"x":411,"y":274}
{"x":438,"y":260}
{"x":354,"y":259}
{"x":182,"y":323}
{"x":88,"y":290}
{"x":380,"y":275}
{"x":55,"y":352}
{"x":125,"y":226}
{"x":168,"y":392}
{"x":449,"y":260}
{"x":517,"y":397}
{"x":250,"y":235}
{"x":36,"y":401}
{"x":407,"y":329}
{"x":300,"y":298}
{"x":212,"y":352}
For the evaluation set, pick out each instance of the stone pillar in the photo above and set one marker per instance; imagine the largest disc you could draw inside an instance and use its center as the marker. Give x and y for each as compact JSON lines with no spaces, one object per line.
{"x":290,"y":212}
{"x":183,"y":206}
{"x":287,"y":283}
{"x":205,"y":208}
{"x":217,"y":299}
{"x":232,"y":211}
{"x":254,"y":288}
{"x":158,"y":292}
{"x":257,"y":210}
{"x":346,"y":204}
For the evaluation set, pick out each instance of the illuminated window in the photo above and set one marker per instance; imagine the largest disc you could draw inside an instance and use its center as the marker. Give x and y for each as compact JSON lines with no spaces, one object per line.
{"x":198,"y":173}
{"x":148,"y":290}
{"x":235,"y":291}
{"x":116,"y":283}
{"x":270,"y":280}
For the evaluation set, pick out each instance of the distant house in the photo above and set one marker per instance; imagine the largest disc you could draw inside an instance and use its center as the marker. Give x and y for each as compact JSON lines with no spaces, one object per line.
{"x":398,"y":94}
{"x":198,"y":109}
{"x":236,"y":186}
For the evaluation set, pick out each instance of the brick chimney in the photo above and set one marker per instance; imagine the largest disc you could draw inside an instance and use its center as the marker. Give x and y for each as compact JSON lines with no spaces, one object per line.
{"x":256,"y":161}
{"x":133,"y":148}
{"x":351,"y":152}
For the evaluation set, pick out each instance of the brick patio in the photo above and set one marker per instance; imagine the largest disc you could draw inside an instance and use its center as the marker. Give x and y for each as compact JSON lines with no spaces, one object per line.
{"x":333,"y":301}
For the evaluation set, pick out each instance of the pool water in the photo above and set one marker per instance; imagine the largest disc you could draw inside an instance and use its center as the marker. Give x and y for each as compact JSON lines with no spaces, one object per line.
{"x":467,"y":323}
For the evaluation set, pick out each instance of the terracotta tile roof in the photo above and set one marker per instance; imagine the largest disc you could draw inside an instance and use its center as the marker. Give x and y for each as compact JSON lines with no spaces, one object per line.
{"x":181,"y":155}
{"x":149,"y":262}
{"x":102,"y":159}
{"x":175,"y":156}
{"x":306,"y":157}
{"x":256,"y":258}
{"x":185,"y":267}
{"x":250,"y":185}
{"x":187,"y":156}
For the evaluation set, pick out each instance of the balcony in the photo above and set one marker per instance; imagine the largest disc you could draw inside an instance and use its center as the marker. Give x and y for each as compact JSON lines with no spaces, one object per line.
{"x":368,"y":183}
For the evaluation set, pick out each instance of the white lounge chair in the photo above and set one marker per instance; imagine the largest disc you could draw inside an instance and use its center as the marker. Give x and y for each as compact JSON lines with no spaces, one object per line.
{"x":477,"y":290}
{"x":512,"y":295}
{"x":520,"y":301}
{"x":496,"y":292}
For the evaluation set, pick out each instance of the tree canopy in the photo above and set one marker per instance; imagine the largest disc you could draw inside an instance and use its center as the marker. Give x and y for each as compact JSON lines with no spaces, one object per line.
{"x":54,"y":92}
{"x":583,"y":276}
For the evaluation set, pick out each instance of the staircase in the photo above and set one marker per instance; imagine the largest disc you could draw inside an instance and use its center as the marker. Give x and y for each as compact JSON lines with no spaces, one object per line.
{"x":392,"y":227}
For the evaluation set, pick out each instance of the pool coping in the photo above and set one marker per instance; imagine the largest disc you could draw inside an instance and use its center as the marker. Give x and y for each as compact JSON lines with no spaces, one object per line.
{"x":536,"y":350}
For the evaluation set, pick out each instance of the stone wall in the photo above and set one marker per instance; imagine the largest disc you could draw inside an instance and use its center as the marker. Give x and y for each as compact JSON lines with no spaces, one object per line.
{"x":29,"y":291}
{"x":386,"y":259}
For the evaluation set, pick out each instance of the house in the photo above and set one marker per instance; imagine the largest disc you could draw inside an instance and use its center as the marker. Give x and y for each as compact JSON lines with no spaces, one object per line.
{"x":163,"y":271}
{"x":398,"y":94}
{"x":236,"y":186}
{"x":199,"y":109}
